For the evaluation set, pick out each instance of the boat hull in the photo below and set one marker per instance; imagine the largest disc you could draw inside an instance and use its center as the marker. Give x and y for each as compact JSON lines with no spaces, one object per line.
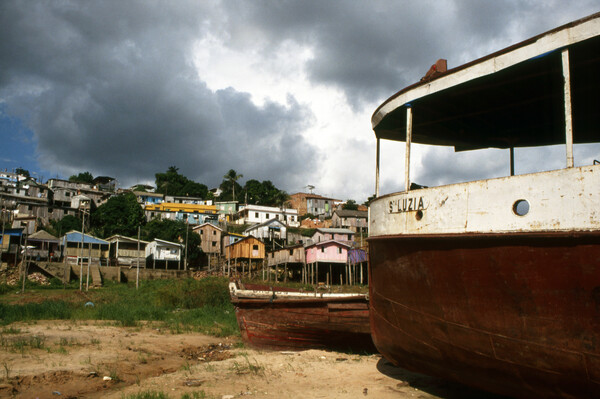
{"x":307,"y":323}
{"x":515,"y":314}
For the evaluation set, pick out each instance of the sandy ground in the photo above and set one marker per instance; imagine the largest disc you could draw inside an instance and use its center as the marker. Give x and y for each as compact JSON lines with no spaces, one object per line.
{"x":59,"y":359}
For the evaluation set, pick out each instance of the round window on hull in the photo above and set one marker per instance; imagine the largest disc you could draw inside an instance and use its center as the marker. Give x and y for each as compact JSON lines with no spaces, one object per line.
{"x":521,"y":207}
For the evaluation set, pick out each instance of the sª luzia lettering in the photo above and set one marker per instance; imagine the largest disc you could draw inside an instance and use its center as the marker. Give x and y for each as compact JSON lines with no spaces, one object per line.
{"x":406,"y":204}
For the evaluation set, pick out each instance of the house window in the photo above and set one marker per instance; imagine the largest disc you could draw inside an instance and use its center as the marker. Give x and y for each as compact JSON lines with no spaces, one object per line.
{"x":349,"y":237}
{"x":214,"y":232}
{"x":322,"y":249}
{"x":272,"y":254}
{"x":201,"y":232}
{"x":214,"y":243}
{"x":256,"y":215}
{"x":339,"y":250}
{"x":255,"y":247}
{"x":267,"y":215}
{"x":291,"y":251}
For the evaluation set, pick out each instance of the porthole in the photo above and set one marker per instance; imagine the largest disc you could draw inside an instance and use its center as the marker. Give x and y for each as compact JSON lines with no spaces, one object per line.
{"x":521,"y":207}
{"x":419,"y":215}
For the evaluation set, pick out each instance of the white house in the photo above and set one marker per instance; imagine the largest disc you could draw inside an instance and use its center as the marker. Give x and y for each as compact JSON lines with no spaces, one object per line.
{"x":271,"y":229}
{"x":251,"y":214}
{"x":163,"y":253}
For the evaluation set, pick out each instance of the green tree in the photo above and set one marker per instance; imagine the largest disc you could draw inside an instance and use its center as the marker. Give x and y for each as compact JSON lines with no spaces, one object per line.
{"x":121,"y":214}
{"x":350,"y":205}
{"x":173,"y":183}
{"x":64,"y":225}
{"x":22,"y":172}
{"x":264,"y":193}
{"x":232,"y":177}
{"x":85,"y":177}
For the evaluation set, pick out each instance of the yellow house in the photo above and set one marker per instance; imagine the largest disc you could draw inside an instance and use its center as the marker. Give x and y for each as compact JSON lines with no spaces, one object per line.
{"x":191,"y":213}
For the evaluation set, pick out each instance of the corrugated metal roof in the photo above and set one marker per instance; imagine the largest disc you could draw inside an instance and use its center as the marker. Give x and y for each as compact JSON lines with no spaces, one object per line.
{"x":75,"y":236}
{"x":42,"y":235}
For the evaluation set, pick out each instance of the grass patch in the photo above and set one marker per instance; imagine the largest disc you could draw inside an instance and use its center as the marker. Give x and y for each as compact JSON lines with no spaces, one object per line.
{"x":179,"y":305}
{"x":248,"y":367}
{"x":21,"y":344}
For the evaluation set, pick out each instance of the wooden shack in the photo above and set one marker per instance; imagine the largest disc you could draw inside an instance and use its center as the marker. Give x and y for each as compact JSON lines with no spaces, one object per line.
{"x":326,"y":261}
{"x":288,"y":262}
{"x":124,"y":251}
{"x":248,"y":252}
{"x":84,"y":248}
{"x":45,"y":246}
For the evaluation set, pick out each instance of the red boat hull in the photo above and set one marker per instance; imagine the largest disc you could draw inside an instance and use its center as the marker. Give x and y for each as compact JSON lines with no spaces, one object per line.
{"x":309,"y":323}
{"x":514,"y":314}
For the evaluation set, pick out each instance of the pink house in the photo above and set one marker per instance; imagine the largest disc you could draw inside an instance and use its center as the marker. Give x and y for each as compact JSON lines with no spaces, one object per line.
{"x":326,"y":261}
{"x":323,"y":234}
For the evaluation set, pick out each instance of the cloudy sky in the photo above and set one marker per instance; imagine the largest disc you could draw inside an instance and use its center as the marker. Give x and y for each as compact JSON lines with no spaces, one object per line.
{"x":277,"y":90}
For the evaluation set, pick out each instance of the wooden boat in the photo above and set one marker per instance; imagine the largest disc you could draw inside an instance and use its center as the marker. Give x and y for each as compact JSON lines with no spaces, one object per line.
{"x":286,"y":319}
{"x":496,"y":283}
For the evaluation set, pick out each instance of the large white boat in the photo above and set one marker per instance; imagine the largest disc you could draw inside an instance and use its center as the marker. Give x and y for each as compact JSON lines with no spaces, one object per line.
{"x":496,"y":283}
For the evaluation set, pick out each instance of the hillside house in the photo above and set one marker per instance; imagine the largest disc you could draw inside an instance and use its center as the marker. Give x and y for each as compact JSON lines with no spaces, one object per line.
{"x":326,"y":261}
{"x":146,"y":198}
{"x":45,"y":246}
{"x":10,"y":241}
{"x":272,"y":229}
{"x":317,"y":205}
{"x":180,"y":199}
{"x":249,"y":252}
{"x":78,"y":248}
{"x":163,"y":254}
{"x":193,"y":214}
{"x":254,"y":214}
{"x":25,"y":198}
{"x":211,"y":238}
{"x":288,"y":261}
{"x":124,"y":251}
{"x":226,"y":209}
{"x":105,"y":183}
{"x":324,"y":234}
{"x":356,"y":221}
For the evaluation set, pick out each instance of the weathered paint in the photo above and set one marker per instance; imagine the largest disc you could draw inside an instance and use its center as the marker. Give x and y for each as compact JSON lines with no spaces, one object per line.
{"x":327,"y":251}
{"x":277,"y":320}
{"x":513,"y":313}
{"x":560,"y":200}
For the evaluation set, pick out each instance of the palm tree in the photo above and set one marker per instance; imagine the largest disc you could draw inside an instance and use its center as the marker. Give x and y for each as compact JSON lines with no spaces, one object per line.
{"x":232,"y":176}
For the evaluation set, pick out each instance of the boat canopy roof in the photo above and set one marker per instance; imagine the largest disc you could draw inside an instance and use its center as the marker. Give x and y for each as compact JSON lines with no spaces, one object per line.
{"x":511,"y":98}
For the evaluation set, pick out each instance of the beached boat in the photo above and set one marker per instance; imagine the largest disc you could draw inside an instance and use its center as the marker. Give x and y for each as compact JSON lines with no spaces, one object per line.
{"x":286,"y":319}
{"x":496,"y":283}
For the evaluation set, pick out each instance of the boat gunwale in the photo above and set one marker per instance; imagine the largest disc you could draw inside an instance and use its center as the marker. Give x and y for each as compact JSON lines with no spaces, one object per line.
{"x":473,"y":63}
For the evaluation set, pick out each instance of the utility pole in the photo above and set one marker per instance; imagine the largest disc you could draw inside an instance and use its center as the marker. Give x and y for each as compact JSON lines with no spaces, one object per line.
{"x":81,"y":266}
{"x":24,"y":261}
{"x":2,"y":237}
{"x":137,"y":274}
{"x":186,"y":245}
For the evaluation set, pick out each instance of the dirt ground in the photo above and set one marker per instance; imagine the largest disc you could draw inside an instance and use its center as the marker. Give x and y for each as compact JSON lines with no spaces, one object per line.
{"x":58,"y":359}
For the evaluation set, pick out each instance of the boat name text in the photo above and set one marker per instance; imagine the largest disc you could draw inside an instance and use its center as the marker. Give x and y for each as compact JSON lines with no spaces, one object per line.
{"x":406,"y":204}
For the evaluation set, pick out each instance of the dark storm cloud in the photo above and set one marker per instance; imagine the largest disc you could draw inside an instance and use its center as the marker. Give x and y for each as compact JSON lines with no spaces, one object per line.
{"x":111,"y":88}
{"x":372,"y":49}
